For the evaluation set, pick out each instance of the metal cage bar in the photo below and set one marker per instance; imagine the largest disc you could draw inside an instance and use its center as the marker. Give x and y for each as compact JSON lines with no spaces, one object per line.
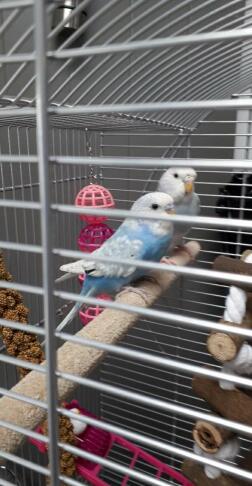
{"x":43,"y":147}
{"x":121,"y":103}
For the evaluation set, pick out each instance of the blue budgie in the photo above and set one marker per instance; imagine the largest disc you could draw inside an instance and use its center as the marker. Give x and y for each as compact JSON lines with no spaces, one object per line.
{"x":135,"y":239}
{"x":178,"y":182}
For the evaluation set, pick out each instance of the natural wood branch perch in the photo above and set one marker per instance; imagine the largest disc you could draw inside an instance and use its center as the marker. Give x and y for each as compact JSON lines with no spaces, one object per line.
{"x":232,"y":404}
{"x":110,"y":327}
{"x":210,"y":437}
{"x":225,"y":346}
{"x":246,"y":463}
{"x":195,"y":472}
{"x":232,"y":265}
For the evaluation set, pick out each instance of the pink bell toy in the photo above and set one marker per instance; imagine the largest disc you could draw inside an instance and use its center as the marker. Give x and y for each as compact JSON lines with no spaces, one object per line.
{"x":100,"y":443}
{"x":94,"y":196}
{"x":93,"y":236}
{"x":89,"y":313}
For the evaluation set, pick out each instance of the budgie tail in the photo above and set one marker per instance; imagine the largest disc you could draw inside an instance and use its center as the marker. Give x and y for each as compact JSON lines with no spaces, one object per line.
{"x":64,"y":277}
{"x":71,"y":315}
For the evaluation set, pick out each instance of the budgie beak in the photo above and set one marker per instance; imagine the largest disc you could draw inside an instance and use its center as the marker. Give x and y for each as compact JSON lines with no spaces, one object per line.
{"x":170,"y":210}
{"x":189,"y":186}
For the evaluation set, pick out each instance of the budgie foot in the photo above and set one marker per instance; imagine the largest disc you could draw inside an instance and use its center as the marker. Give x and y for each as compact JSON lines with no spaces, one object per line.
{"x":186,"y":249}
{"x":168,"y":261}
{"x":178,"y":249}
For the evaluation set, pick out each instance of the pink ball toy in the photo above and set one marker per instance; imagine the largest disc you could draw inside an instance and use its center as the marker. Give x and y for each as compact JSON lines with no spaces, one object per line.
{"x":93,"y":236}
{"x":94,"y":196}
{"x":89,"y":313}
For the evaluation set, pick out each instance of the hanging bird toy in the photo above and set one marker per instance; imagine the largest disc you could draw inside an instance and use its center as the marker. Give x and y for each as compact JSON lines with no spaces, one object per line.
{"x":97,"y":197}
{"x":92,"y":236}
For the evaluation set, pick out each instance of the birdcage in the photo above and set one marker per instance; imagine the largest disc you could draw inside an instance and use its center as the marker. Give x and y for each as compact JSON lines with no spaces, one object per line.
{"x":113,"y":93}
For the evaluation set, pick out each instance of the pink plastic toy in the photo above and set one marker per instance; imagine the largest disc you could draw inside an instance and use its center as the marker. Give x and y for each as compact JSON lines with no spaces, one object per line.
{"x":100,"y":442}
{"x":162,"y":471}
{"x":94,"y":196}
{"x":81,"y":279}
{"x":93,"y":236}
{"x":89,"y":313}
{"x":41,"y":446}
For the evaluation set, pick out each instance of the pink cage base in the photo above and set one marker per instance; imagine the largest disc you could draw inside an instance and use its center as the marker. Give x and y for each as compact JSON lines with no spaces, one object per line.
{"x":100,"y":442}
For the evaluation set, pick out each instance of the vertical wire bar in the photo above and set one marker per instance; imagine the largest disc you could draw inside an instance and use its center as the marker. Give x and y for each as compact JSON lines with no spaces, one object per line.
{"x":55,"y":175}
{"x":15,"y":212}
{"x":178,"y":351}
{"x":32,"y":183}
{"x":242,"y":142}
{"x":64,"y":218}
{"x":24,"y":212}
{"x":42,"y":149}
{"x":8,"y":384}
{"x":73,"y":171}
{"x":4,"y":192}
{"x":68,"y":186}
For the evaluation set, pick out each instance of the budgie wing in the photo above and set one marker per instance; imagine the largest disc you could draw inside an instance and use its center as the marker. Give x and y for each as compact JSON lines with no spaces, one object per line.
{"x":183,"y":209}
{"x":119,"y":247}
{"x":195,"y":210}
{"x":191,"y":208}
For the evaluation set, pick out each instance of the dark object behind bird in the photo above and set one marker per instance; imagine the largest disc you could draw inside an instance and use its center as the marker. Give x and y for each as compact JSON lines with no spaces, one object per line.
{"x":235,"y":201}
{"x":7,"y":474}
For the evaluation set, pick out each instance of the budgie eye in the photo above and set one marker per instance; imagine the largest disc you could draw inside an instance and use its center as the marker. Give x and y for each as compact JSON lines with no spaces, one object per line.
{"x":154,"y":206}
{"x":176,"y":175}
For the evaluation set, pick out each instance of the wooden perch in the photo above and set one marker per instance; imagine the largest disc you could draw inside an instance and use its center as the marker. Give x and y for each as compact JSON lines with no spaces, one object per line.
{"x":110,"y":327}
{"x":231,"y":404}
{"x":195,"y":472}
{"x":210,"y":437}
{"x":234,"y":404}
{"x":246,"y":462}
{"x":227,"y":264}
{"x":225,"y":346}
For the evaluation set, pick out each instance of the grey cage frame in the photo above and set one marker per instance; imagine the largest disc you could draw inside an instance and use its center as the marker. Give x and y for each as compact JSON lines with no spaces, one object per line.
{"x":179,"y":118}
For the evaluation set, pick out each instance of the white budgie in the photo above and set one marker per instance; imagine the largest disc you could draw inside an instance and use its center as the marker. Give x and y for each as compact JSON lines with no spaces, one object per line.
{"x":178,"y":182}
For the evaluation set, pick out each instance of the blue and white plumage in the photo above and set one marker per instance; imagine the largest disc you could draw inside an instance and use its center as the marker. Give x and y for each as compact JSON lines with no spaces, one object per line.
{"x":135,"y":239}
{"x":178,"y":182}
